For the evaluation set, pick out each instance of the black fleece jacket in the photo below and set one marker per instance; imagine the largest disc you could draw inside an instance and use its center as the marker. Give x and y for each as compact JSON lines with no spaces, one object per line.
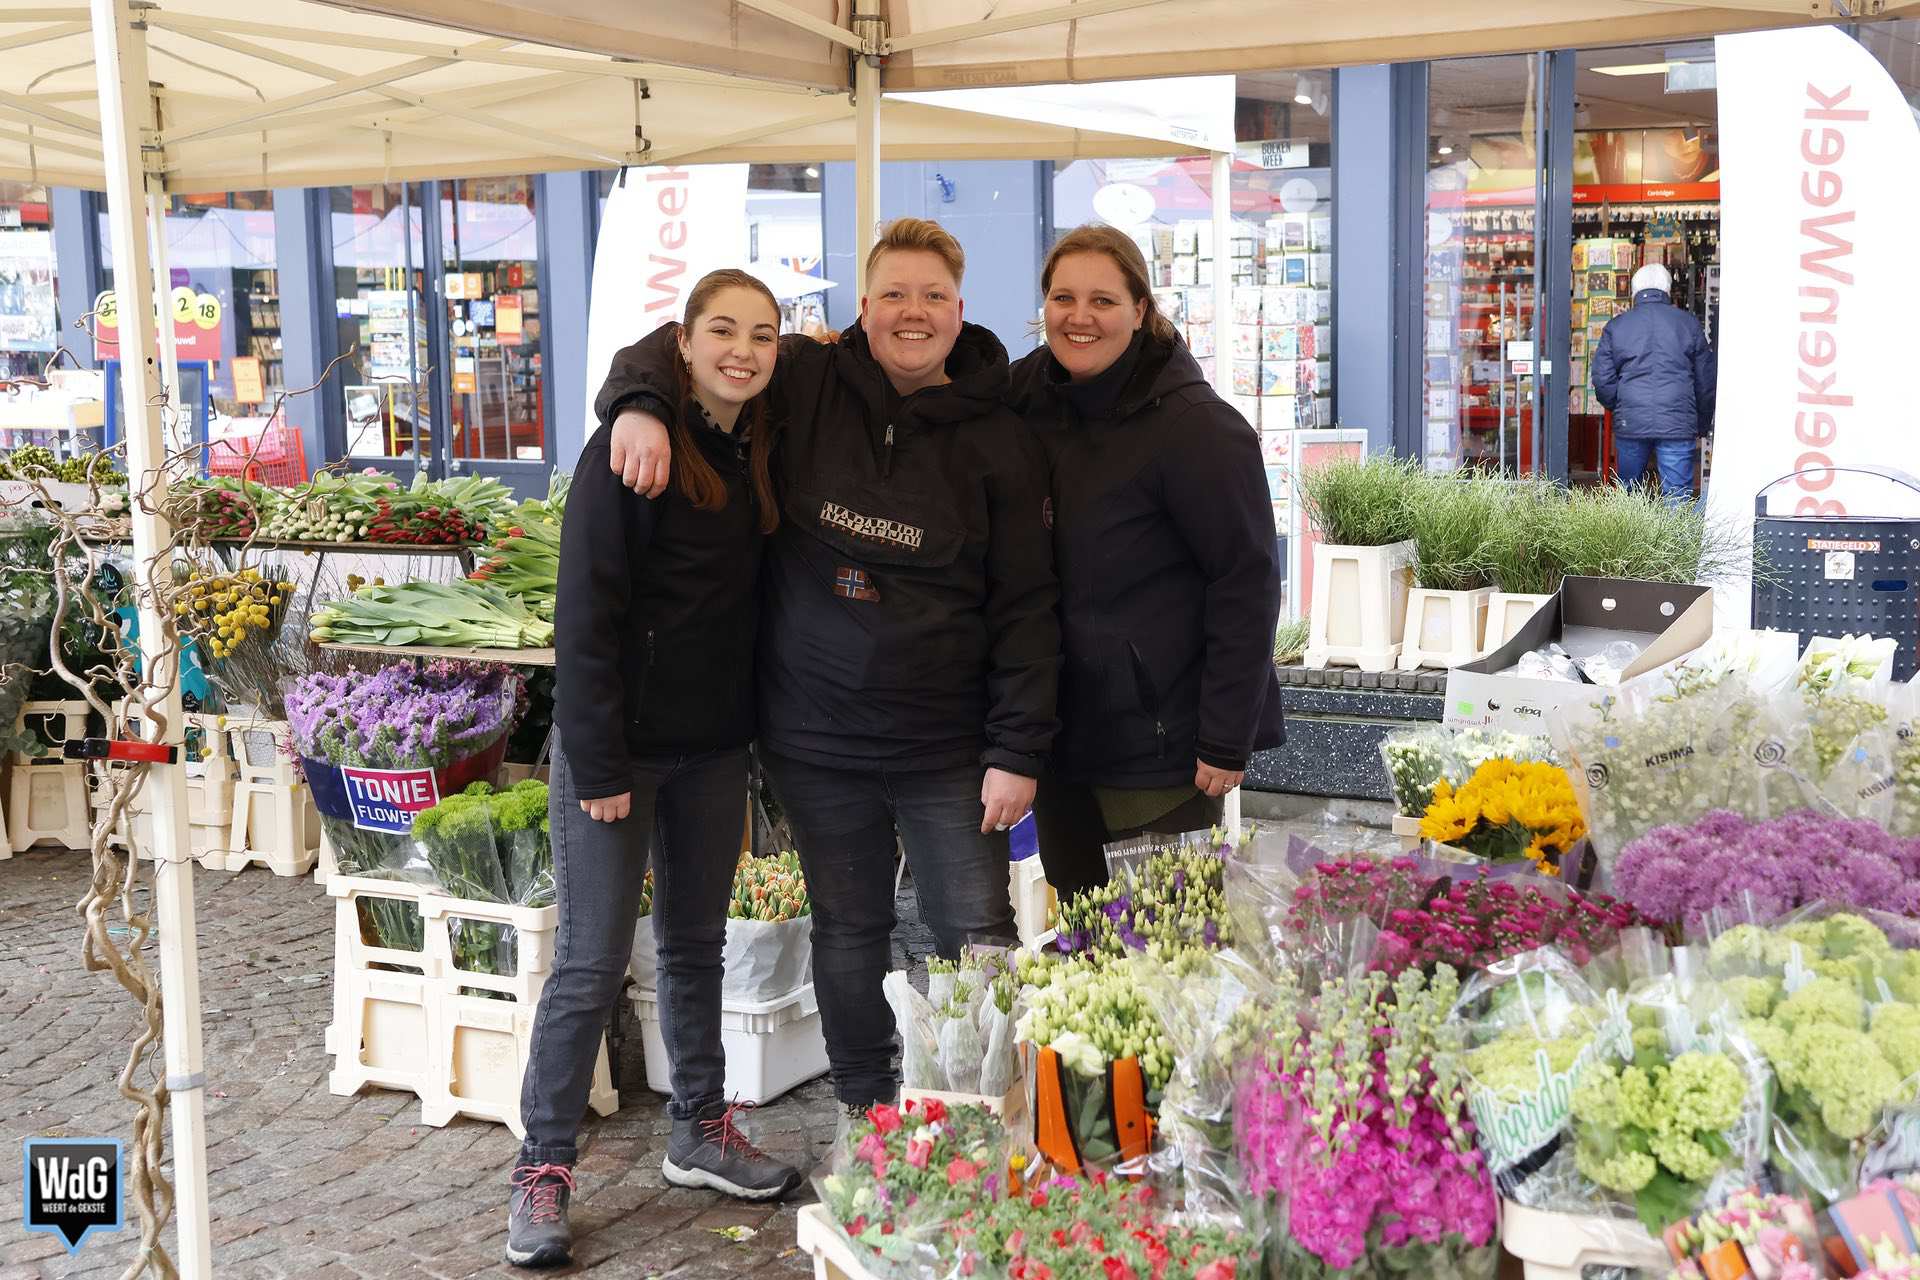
{"x":1169,"y":571}
{"x":909,"y":591}
{"x":656,"y":618}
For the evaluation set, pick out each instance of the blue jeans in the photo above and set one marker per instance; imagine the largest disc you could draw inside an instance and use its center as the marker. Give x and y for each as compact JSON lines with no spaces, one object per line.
{"x":691,"y":810}
{"x":845,"y":821}
{"x":1674,"y":457}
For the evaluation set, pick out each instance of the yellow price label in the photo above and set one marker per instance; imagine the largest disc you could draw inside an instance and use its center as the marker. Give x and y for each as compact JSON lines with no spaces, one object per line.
{"x":206,"y":311}
{"x":183,"y":302}
{"x":106,"y":310}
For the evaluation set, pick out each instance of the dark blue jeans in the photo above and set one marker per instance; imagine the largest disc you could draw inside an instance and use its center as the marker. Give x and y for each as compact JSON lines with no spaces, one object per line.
{"x":1673,"y":457}
{"x":845,"y":821}
{"x":688,"y":813}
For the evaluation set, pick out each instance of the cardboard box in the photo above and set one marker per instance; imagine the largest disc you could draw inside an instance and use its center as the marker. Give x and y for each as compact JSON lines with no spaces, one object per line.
{"x":1667,"y":620}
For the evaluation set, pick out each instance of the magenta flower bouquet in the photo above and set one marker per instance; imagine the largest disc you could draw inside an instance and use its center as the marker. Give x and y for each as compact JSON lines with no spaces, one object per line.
{"x":1760,"y":870}
{"x":1354,"y":1125}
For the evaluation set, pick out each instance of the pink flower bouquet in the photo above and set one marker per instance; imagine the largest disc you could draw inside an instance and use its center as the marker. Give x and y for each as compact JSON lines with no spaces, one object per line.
{"x":906,"y":1171}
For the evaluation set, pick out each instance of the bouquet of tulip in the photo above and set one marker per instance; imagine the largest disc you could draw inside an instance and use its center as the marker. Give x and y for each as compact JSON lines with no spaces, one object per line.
{"x":906,"y":1172}
{"x":1174,"y":899}
{"x":1095,"y":1226}
{"x":1685,"y":874}
{"x":769,"y":945}
{"x":1508,"y":810}
{"x":1773,"y":1236}
{"x":1354,"y":1124}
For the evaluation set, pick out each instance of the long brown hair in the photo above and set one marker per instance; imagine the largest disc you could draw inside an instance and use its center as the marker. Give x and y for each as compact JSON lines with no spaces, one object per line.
{"x":692,"y":473}
{"x":1117,"y":245}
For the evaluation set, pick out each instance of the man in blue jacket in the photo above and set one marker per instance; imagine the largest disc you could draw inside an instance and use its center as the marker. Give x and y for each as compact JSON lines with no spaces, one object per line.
{"x":1655,"y":372}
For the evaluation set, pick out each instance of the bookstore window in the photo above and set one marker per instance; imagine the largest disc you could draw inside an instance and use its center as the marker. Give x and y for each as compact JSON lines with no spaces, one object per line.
{"x":490,"y":245}
{"x":29,"y":318}
{"x":380,"y":307}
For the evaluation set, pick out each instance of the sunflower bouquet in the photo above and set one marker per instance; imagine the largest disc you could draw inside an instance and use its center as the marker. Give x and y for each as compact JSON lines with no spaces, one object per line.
{"x":1508,"y":809}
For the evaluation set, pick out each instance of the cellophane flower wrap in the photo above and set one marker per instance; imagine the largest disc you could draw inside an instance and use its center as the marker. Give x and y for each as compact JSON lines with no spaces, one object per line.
{"x":1175,"y":898}
{"x":1903,"y":722}
{"x":1686,"y":874}
{"x":965,"y":1043}
{"x":1831,"y":997}
{"x":1418,"y":758}
{"x":407,"y":715}
{"x":489,"y":846}
{"x":1775,"y":1236}
{"x":1098,"y":1227}
{"x":1354,"y":1124}
{"x":1533,"y":1027}
{"x":1676,"y":1114}
{"x":905,"y":1173}
{"x":1506,"y":811}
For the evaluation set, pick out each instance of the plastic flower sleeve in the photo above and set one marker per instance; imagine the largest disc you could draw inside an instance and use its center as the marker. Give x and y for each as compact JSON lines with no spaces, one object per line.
{"x":962,"y":1049}
{"x":1533,"y":1027}
{"x":1903,"y":718}
{"x":1415,"y":759}
{"x":1000,"y":1069}
{"x":905,"y":1174}
{"x":920,"y":1046}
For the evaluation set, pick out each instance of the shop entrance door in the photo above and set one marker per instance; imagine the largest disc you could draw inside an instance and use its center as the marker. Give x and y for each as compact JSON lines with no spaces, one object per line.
{"x":494,"y":392}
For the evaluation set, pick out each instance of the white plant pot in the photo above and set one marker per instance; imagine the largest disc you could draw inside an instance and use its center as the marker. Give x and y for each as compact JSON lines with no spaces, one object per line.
{"x":1408,"y":832}
{"x":1359,"y":608}
{"x":1444,"y":628}
{"x":1507,"y":612}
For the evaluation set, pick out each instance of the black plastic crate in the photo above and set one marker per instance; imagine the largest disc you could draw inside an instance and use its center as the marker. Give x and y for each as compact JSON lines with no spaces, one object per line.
{"x":1840,"y":575}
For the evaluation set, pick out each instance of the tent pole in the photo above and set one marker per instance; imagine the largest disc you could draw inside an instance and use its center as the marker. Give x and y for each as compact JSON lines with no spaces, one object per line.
{"x":126,"y":122}
{"x":1222,"y":363}
{"x":866,"y":141}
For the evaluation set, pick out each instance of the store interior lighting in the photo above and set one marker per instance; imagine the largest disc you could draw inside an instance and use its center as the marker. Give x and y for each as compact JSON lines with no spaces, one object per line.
{"x":1637,"y":69}
{"x":1303,"y":90}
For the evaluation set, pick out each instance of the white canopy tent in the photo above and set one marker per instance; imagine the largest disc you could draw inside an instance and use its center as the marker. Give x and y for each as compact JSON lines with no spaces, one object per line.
{"x":209,"y":95}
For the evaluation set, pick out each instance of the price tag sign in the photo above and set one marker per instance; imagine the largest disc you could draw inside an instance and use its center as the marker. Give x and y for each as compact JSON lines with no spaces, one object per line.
{"x":248,"y":386}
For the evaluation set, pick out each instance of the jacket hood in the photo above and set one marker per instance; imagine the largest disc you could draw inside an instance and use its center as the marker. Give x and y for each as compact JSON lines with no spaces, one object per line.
{"x":1652,"y":295}
{"x":976,"y":368}
{"x":1164,"y":366}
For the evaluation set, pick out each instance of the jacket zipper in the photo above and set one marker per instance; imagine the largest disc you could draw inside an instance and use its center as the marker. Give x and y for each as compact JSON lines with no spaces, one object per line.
{"x":1149,"y":698}
{"x":646,"y":670}
{"x":886,"y":460}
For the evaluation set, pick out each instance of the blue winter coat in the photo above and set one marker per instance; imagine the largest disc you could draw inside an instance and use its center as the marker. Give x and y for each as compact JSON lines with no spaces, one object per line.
{"x":1654,"y":370}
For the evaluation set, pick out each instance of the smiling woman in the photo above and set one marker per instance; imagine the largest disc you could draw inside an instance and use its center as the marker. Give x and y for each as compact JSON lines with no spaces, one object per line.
{"x":912,"y":312}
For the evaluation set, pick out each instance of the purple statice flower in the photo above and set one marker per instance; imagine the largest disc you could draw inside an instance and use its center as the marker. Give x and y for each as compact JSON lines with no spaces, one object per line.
{"x":1683,"y":874}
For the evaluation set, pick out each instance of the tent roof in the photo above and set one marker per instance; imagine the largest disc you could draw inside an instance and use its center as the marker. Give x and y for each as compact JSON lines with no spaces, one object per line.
{"x":278,"y":93}
{"x":944,"y":44}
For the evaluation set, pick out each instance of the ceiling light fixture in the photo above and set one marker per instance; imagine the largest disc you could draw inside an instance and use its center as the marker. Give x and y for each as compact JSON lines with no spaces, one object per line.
{"x":1638,"y":69}
{"x":1303,"y":91}
{"x":1446,"y":148}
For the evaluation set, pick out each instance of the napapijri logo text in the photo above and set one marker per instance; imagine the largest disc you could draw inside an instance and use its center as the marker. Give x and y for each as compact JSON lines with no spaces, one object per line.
{"x":872,"y":528}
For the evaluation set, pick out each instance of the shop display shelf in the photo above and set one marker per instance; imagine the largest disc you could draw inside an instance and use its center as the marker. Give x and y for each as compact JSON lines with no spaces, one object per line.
{"x":512,"y":657}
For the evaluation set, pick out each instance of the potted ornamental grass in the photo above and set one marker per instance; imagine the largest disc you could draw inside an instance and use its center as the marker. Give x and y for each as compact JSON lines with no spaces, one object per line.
{"x":1635,"y":534}
{"x":1522,"y":556}
{"x":1447,"y":608}
{"x":1363,"y":510}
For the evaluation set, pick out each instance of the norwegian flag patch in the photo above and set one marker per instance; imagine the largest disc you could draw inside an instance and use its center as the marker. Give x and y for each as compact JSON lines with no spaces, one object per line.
{"x":854,"y":584}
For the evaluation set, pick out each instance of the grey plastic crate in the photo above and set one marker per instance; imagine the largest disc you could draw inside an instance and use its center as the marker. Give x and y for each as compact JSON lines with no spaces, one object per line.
{"x":1840,"y":575}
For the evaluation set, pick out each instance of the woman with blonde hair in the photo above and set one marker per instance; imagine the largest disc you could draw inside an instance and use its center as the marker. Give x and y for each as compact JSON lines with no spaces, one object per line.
{"x":1169,"y":572}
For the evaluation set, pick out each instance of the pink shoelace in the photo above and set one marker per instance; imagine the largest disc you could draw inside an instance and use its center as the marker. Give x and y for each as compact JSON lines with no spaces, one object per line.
{"x":540,"y":1184}
{"x":724,"y":1131}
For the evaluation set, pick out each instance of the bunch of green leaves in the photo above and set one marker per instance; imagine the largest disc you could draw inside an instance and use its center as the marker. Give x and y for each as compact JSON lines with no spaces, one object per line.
{"x":1520,"y":548}
{"x":1634,"y":533}
{"x":1452,"y":515}
{"x":1363,"y":502}
{"x":1290,"y":641}
{"x":489,"y":846}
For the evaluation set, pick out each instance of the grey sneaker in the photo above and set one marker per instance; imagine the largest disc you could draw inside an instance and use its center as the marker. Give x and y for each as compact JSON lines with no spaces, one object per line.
{"x":709,"y":1151}
{"x":537,"y":1231}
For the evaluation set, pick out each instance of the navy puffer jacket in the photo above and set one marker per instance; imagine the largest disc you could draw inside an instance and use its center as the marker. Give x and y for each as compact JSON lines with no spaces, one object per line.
{"x":1654,"y":370}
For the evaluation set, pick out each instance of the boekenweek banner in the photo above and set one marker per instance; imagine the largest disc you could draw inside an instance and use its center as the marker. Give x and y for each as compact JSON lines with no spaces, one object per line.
{"x":661,"y":230}
{"x":1820,"y":183}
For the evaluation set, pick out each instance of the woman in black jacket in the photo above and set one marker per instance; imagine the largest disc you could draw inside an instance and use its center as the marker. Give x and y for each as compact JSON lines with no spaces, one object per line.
{"x":655,"y":628}
{"x":1169,"y":574}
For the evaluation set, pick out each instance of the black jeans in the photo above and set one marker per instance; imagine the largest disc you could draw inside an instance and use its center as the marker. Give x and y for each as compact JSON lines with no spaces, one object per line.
{"x":1073,"y":834}
{"x":692,"y":811}
{"x":844,"y":821}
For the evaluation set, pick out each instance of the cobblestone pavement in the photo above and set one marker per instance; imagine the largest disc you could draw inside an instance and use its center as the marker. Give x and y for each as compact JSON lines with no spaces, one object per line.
{"x":327,"y":1188}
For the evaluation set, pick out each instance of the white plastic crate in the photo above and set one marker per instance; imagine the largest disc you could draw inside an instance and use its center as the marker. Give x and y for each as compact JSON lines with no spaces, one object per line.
{"x":532,"y":943}
{"x":770,"y":1047}
{"x":53,"y":721}
{"x":1561,"y":1246}
{"x":380,"y":1035}
{"x":478,"y":1051}
{"x":1033,"y":899}
{"x":47,"y":803}
{"x":274,"y":821}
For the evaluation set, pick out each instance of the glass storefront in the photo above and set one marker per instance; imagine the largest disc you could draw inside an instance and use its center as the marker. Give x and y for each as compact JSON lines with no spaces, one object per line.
{"x":379,"y":303}
{"x":492,"y":293}
{"x":224,"y":280}
{"x":29,"y":314}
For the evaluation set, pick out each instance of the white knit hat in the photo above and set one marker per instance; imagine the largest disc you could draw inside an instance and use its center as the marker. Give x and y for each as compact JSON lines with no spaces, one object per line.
{"x":1653,"y":276}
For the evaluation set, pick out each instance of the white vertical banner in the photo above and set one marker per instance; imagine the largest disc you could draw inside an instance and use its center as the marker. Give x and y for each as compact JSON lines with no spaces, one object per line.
{"x":662,"y":229}
{"x":1820,"y":181}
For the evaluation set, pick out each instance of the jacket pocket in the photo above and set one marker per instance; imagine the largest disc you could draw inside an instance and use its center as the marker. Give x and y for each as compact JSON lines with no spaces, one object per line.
{"x":893,"y":527}
{"x":1149,"y":695}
